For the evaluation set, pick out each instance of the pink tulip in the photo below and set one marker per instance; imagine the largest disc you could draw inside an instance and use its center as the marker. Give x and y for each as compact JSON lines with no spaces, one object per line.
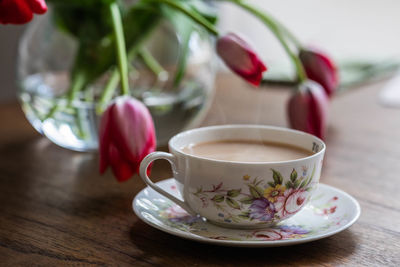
{"x":308,"y":109}
{"x":127,"y":135}
{"x":241,"y":58}
{"x":320,"y":68}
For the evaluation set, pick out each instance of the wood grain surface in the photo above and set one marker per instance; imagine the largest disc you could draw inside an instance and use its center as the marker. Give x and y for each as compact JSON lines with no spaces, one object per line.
{"x":55,"y":209}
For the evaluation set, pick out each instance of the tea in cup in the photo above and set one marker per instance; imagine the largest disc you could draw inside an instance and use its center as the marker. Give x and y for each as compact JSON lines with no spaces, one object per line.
{"x":242,"y":176}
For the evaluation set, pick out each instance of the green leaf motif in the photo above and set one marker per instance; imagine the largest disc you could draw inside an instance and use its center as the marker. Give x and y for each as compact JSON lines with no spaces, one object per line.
{"x":244,"y":215}
{"x":296,"y":183}
{"x":293,"y":175}
{"x":289,"y":184}
{"x":246,"y":200}
{"x":303,"y":184}
{"x":234,"y":192}
{"x":232,"y":203}
{"x":254,"y":192}
{"x":312,"y":175}
{"x":218,"y":198}
{"x":271,"y":184}
{"x":277,"y":176}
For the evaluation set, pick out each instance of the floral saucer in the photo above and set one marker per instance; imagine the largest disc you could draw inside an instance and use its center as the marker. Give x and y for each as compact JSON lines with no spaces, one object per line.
{"x":329,"y":211}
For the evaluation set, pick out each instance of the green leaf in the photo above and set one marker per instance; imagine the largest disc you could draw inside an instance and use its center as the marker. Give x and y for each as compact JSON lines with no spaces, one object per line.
{"x":246,"y":200}
{"x":254,"y":192}
{"x":296,"y":183}
{"x":244,"y":215}
{"x":293,"y":175}
{"x":303,"y":183}
{"x":271,"y":184}
{"x":199,"y":190}
{"x":259,"y":190}
{"x":234,"y":192}
{"x":218,"y":198}
{"x":289,"y":184}
{"x":312,"y":175}
{"x":232,"y":203}
{"x":277,"y":176}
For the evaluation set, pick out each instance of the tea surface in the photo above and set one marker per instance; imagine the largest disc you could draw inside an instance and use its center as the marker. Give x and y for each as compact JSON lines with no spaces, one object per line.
{"x":246,"y":151}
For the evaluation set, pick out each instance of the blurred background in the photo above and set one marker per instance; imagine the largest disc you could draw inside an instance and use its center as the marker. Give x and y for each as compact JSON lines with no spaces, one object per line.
{"x":349,"y":30}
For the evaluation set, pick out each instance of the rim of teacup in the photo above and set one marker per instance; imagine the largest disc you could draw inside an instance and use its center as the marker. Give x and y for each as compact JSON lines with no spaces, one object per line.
{"x":173,"y":149}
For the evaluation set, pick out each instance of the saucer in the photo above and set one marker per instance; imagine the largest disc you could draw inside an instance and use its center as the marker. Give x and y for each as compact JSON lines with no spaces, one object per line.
{"x":329,"y":211}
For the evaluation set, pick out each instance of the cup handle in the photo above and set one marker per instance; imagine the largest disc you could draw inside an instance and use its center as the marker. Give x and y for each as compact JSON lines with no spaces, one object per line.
{"x":143,"y":174}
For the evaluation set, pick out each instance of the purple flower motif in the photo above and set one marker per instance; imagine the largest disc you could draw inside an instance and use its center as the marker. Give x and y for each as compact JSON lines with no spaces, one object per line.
{"x":293,"y":229}
{"x":262,"y":210}
{"x":188,"y":220}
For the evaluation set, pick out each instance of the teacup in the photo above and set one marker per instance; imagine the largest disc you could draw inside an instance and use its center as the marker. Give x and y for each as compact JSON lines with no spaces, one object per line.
{"x":241,"y":194}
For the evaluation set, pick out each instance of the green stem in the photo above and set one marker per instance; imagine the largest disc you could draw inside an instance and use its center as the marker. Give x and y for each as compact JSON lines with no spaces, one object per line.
{"x":193,"y":15}
{"x":150,"y":61}
{"x":287,"y":32}
{"x":120,"y":46}
{"x":182,"y":58}
{"x":270,"y":23}
{"x":108,"y":91}
{"x":77,"y":83}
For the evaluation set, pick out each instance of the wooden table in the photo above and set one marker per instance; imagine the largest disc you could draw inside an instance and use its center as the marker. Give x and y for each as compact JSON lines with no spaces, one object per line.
{"x":55,"y":208}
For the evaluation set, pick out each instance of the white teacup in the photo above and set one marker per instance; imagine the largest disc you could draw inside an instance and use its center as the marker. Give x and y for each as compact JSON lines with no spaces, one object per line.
{"x":241,"y":194}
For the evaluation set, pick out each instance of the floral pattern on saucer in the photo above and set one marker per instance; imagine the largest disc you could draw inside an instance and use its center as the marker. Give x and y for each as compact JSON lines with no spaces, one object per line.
{"x":328,"y":212}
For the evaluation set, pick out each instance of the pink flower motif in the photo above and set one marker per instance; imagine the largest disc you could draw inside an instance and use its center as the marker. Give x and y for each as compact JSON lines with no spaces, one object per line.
{"x":175,"y":212}
{"x":291,"y":202}
{"x":241,"y":58}
{"x":127,"y":135}
{"x":268,"y":235}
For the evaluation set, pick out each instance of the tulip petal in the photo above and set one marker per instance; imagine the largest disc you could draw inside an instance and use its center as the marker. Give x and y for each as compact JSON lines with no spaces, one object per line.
{"x":15,"y":12}
{"x":127,"y":135}
{"x":37,"y":6}
{"x":134,"y":128}
{"x":122,"y":169}
{"x":318,"y":110}
{"x":307,"y":109}
{"x":241,"y":58}
{"x":320,"y":67}
{"x":104,"y":139}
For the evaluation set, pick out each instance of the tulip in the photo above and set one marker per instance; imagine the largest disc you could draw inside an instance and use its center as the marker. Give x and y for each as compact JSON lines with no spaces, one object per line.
{"x":127,"y":135}
{"x":241,"y":58}
{"x":320,"y":68}
{"x":308,"y":109}
{"x":20,"y":11}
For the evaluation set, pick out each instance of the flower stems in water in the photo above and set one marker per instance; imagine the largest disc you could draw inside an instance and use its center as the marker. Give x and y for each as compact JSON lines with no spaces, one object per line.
{"x":151,"y":62}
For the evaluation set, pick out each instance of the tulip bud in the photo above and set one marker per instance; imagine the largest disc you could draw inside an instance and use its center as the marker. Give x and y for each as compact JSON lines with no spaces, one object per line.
{"x":20,"y":11}
{"x":127,"y":135}
{"x":320,"y":68}
{"x":241,"y":58}
{"x":308,"y":109}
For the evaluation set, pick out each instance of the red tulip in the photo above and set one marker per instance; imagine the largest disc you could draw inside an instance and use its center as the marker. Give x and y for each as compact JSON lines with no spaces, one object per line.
{"x":127,"y":135}
{"x":20,"y":11}
{"x":320,"y":68}
{"x":308,"y":109}
{"x":241,"y":58}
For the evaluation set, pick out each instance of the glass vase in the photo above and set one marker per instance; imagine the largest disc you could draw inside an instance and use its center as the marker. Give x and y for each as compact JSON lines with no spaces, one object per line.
{"x":45,"y":63}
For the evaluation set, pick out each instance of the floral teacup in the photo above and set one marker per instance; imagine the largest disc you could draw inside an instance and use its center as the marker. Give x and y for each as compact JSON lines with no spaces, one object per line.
{"x":241,"y":194}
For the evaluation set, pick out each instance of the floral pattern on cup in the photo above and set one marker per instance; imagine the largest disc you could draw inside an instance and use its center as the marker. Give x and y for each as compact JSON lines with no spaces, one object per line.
{"x":265,"y":201}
